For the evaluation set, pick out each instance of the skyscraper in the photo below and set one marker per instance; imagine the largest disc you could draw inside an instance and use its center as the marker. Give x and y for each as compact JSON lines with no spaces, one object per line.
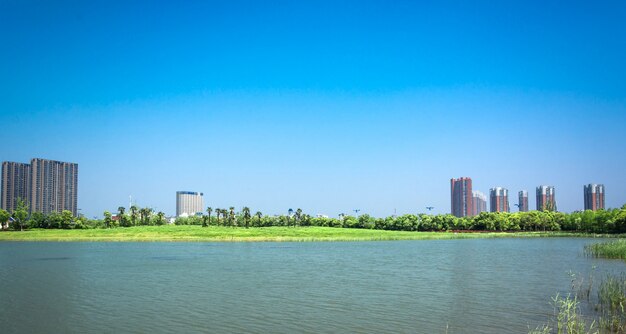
{"x":188,"y":203}
{"x":480,"y":202}
{"x":545,"y":198}
{"x":499,"y":199}
{"x":15,"y":184}
{"x":45,"y":185}
{"x":461,"y":197}
{"x":53,"y":186}
{"x":594,"y":196}
{"x":522,"y":201}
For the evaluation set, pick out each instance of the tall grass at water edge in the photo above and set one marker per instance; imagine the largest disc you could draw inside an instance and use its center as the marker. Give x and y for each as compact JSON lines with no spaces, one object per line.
{"x":615,"y":249}
{"x":606,"y":309}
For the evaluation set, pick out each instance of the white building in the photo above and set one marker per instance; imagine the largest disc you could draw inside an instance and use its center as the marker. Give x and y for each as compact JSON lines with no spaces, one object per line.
{"x":188,"y":203}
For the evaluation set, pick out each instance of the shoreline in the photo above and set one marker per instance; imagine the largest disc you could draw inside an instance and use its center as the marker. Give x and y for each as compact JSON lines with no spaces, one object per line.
{"x":187,"y":233}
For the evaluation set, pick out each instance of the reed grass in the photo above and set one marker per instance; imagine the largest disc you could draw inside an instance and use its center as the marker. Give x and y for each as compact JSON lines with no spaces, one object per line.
{"x":615,"y":249}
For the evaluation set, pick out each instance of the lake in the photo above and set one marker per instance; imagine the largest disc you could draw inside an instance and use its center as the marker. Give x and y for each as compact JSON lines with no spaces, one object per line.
{"x":424,"y":286}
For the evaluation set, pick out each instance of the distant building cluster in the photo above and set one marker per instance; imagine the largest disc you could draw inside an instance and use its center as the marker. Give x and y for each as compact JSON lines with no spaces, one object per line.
{"x":189,"y":203}
{"x":44,"y":185}
{"x":465,"y":202}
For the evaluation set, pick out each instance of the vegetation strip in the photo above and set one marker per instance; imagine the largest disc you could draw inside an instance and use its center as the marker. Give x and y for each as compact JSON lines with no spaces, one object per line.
{"x":225,"y":234}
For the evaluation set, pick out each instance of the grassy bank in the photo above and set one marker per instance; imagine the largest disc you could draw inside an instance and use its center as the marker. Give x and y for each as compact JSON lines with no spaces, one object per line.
{"x":612,"y":249}
{"x":213,"y":233}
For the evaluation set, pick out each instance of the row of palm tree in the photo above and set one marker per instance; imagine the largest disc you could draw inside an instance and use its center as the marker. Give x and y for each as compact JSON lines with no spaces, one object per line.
{"x":142,"y":214}
{"x":228,"y":217}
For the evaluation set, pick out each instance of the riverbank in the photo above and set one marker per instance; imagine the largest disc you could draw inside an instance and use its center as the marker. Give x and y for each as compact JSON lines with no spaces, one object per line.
{"x":226,"y":234}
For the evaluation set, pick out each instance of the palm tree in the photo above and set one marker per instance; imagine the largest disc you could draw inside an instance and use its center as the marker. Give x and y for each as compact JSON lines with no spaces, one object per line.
{"x":120,"y":215}
{"x":218,"y":211}
{"x":133,"y":214}
{"x":298,"y":216}
{"x":259,"y":214}
{"x":160,"y":216}
{"x":231,"y":216}
{"x":209,"y":210}
{"x":246,"y":215}
{"x":144,"y":213}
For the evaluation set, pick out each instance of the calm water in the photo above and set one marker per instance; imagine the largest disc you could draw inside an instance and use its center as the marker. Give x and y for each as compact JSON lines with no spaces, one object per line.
{"x":471,"y":286}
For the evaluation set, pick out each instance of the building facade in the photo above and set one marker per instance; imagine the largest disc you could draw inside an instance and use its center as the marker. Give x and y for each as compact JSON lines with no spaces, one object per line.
{"x":594,"y":196}
{"x":522,"y":201}
{"x":188,"y":203}
{"x":15,"y":184}
{"x":499,"y":199}
{"x":546,"y":199}
{"x":461,"y":197}
{"x":479,"y":202}
{"x":53,"y":186}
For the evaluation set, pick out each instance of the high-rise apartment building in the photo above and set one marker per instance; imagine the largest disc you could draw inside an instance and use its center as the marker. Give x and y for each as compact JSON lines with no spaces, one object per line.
{"x":15,"y":184}
{"x":479,"y":201}
{"x":188,"y":203}
{"x":45,"y":185}
{"x":545,"y":198}
{"x":499,"y":199}
{"x":461,"y":197}
{"x":594,"y":196}
{"x":53,"y":186}
{"x":522,"y":201}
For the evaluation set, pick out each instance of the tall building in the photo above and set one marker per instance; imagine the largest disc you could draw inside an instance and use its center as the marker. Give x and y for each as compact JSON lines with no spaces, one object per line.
{"x":480,"y":202}
{"x":188,"y":203}
{"x":499,"y":199}
{"x":461,"y":197}
{"x":53,"y":186}
{"x":545,"y":198}
{"x":522,"y":201}
{"x":594,"y":196}
{"x":15,"y":184}
{"x":45,"y":185}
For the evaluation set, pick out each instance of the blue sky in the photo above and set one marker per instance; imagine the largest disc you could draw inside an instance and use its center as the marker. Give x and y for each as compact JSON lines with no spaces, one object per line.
{"x":327,"y":106}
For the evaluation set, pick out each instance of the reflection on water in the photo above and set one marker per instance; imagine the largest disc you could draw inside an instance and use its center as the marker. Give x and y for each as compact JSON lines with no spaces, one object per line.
{"x":468,"y":286}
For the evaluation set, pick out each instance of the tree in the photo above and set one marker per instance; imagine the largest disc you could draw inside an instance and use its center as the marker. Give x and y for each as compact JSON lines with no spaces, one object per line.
{"x":218,"y":211}
{"x":66,"y":219}
{"x":38,"y":220}
{"x":208,"y":211}
{"x":259,"y":214}
{"x":120,"y":216}
{"x":4,"y":217}
{"x":145,"y":213}
{"x":246,"y":215}
{"x":298,"y":217}
{"x":107,"y":219}
{"x":133,"y":215}
{"x":231,"y":217}
{"x":19,"y":215}
{"x":160,"y":218}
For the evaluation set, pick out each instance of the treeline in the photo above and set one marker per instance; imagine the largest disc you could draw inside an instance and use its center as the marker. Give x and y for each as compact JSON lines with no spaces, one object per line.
{"x":601,"y":221}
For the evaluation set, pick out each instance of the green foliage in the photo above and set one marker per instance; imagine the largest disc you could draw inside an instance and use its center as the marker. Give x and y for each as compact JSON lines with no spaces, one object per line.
{"x":19,"y":215}
{"x":4,"y":217}
{"x":602,"y":221}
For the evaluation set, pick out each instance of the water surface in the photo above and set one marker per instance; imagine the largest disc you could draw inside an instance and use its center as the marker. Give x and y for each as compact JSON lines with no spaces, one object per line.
{"x":423,"y":286}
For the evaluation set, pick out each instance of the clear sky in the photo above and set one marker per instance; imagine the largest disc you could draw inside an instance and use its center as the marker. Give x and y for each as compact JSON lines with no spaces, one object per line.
{"x":327,"y":106}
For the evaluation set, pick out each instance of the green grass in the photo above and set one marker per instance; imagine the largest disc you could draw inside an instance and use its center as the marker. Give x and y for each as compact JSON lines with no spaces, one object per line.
{"x":611,"y":249}
{"x":225,"y":234}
